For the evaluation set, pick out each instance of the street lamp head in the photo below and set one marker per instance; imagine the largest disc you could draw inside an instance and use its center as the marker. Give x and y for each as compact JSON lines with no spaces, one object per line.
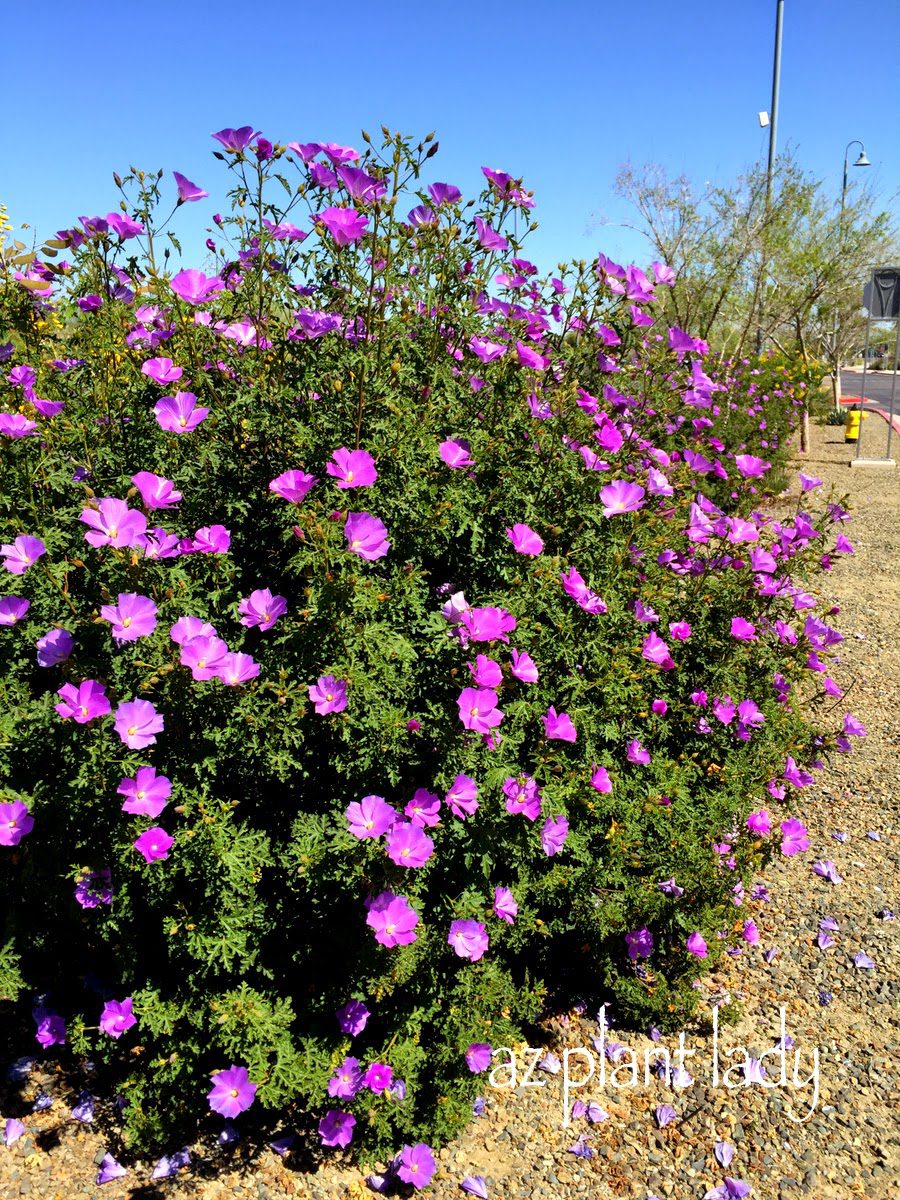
{"x":862,"y":161}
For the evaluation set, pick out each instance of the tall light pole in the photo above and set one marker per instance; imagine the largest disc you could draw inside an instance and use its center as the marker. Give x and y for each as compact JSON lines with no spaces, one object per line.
{"x":773,"y":136}
{"x":862,"y":161}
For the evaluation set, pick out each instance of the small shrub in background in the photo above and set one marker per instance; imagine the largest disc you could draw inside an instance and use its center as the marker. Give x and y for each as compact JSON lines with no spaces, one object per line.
{"x":392,"y":639}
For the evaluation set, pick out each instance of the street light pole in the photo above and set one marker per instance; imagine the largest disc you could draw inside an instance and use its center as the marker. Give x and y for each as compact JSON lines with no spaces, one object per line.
{"x":770,"y":170}
{"x":862,"y":161}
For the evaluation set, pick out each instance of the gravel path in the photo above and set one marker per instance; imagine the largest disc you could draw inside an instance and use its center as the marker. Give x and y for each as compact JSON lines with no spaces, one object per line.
{"x":848,"y":1145}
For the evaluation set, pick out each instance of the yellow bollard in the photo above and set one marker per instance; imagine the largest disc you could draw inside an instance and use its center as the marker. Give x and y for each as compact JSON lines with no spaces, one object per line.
{"x":851,"y":426}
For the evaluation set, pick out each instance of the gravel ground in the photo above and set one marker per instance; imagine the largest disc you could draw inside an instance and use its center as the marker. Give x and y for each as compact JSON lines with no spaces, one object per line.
{"x":846,"y":1144}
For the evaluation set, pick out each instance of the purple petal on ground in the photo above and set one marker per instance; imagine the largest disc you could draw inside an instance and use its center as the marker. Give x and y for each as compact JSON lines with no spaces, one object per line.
{"x":824,"y":941}
{"x":664,"y":1113}
{"x":874,"y":835}
{"x":475,"y":1185}
{"x":12,"y":1131}
{"x":549,"y":1063}
{"x":770,"y":954}
{"x":840,"y":837}
{"x":860,"y":959}
{"x":724,"y":1153}
{"x":829,"y":924}
{"x":885,"y":914}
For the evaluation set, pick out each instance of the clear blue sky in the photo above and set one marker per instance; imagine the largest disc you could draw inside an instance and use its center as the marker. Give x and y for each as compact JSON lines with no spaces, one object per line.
{"x":558,"y":92}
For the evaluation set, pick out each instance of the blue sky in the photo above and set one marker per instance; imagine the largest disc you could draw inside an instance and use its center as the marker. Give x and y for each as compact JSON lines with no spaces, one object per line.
{"x":559,"y":93}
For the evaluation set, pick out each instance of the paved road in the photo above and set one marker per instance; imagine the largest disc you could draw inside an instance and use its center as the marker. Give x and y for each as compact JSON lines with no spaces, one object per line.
{"x":878,"y":387}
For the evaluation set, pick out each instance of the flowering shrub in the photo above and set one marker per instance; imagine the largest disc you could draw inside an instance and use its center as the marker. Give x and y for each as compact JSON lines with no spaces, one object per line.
{"x":390,"y":638}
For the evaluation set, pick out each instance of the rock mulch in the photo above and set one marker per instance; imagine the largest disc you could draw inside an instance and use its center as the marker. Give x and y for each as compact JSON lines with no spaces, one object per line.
{"x":788,"y":1141}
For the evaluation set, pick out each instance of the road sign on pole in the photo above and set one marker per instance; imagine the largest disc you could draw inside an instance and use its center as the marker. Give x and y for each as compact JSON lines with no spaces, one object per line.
{"x":881,"y":299}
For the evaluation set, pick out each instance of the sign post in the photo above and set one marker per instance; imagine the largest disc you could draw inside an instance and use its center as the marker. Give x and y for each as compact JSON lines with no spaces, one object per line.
{"x":881,"y":299}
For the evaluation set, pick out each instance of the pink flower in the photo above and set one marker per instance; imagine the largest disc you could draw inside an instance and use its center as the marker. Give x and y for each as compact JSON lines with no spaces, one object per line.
{"x":156,"y":492}
{"x":525,"y":540}
{"x":154,"y":844}
{"x":84,"y":703}
{"x":478,"y":1057}
{"x":635,"y":753}
{"x":794,"y":837}
{"x":416,"y":1165}
{"x":529,"y":357}
{"x":336,"y":1128}
{"x":328,"y":694}
{"x":179,"y":413}
{"x":22,"y":553}
{"x":424,"y":809}
{"x":679,"y":631}
{"x":202,"y":655}
{"x":505,"y":906}
{"x":600,"y":780}
{"x":523,"y":667}
{"x":292,"y":485}
{"x":522,"y":796}
{"x":393,"y":920}
{"x":469,"y":939}
{"x":147,"y":794}
{"x":696,"y":945}
{"x":232,"y":1092}
{"x":13,"y":609}
{"x":132,"y":617}
{"x":486,"y":673}
{"x":370,"y":817}
{"x":113,"y":524}
{"x":14,"y":425}
{"x":352,"y":468}
{"x":760,"y":823}
{"x":408,"y":846}
{"x":554,"y":834}
{"x":456,"y":454}
{"x":187,"y":191}
{"x":137,"y":722}
{"x":559,"y":727}
{"x":461,"y":798}
{"x":366,"y":536}
{"x":161,"y":370}
{"x":234,"y":669}
{"x":261,"y":609}
{"x":743,"y":630}
{"x":345,"y":225}
{"x":194,"y":287}
{"x":16,"y":822}
{"x":656,"y":651}
{"x":488,"y":624}
{"x":478,"y":709}
{"x":750,"y":466}
{"x":621,"y":497}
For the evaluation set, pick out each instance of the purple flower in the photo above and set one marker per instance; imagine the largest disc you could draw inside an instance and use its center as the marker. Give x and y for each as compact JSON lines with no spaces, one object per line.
{"x":154,"y":844}
{"x":292,"y":485}
{"x":16,"y":822}
{"x":347,"y":1080}
{"x":424,"y":809}
{"x":261,"y":609}
{"x":794,"y":837}
{"x":84,"y":703}
{"x":671,"y":888}
{"x":600,"y":780}
{"x":525,"y":540}
{"x":187,"y":191}
{"x":345,"y":225}
{"x":696,"y":945}
{"x":862,"y":960}
{"x":478,"y":1057}
{"x":731,"y":1189}
{"x":203,"y":655}
{"x":743,"y":630}
{"x":640,"y":943}
{"x":22,"y":553}
{"x":110,"y":1169}
{"x":371,"y":817}
{"x":51,"y":1029}
{"x":156,"y":492}
{"x":760,"y":823}
{"x":444,"y":193}
{"x":621,"y":497}
{"x":234,"y":669}
{"x":523,"y":668}
{"x":852,"y":727}
{"x":12,"y":1131}
{"x":558,"y":727}
{"x":664,"y":1114}
{"x":336,"y":1128}
{"x":378,"y":1078}
{"x":113,"y":524}
{"x":478,"y":709}
{"x":635,"y":753}
{"x":235,"y":140}
{"x":179,"y":413}
{"x":232,"y":1092}
{"x":475,"y":1185}
{"x":488,"y":624}
{"x":486,"y":672}
{"x":656,"y":651}
{"x":194,"y":287}
{"x":522,"y":796}
{"x":146,"y":794}
{"x":554,"y":834}
{"x":415,"y":1165}
{"x":352,"y":1017}
{"x":137,"y":723}
{"x":352,"y":468}
{"x":132,"y":617}
{"x":393,"y":920}
{"x":13,"y":609}
{"x":469,"y":939}
{"x":366,"y":536}
{"x":328,"y":694}
{"x":408,"y":846}
{"x":456,"y":454}
{"x":93,"y":888}
{"x":505,"y":906}
{"x":117,"y":1017}
{"x":14,"y":425}
{"x":171,"y":1164}
{"x":827,"y":870}
{"x":461,"y":799}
